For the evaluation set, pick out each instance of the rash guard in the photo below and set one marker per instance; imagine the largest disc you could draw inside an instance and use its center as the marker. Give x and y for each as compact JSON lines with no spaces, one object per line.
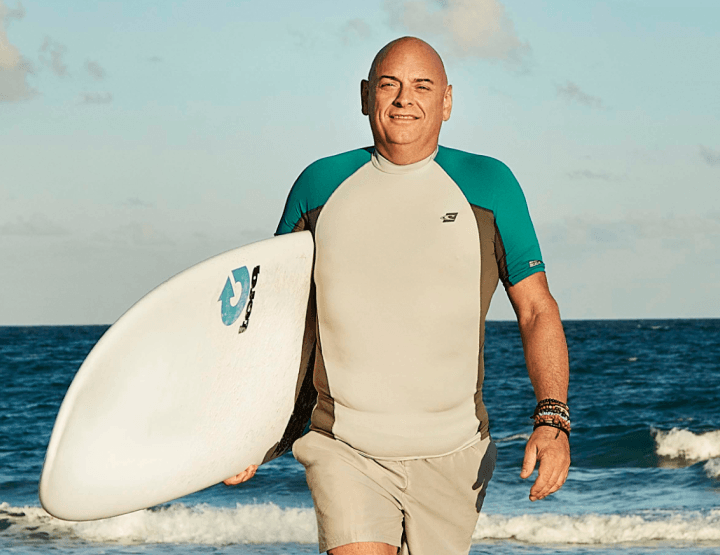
{"x":407,"y":259}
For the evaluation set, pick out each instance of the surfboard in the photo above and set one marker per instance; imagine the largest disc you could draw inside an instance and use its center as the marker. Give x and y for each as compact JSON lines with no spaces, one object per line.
{"x":194,"y":383}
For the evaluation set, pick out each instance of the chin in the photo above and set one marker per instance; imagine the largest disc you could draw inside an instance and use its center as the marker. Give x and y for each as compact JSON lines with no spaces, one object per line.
{"x":402,"y":138}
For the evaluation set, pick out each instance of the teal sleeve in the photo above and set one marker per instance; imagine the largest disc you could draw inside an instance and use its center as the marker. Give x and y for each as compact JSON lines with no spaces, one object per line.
{"x":293,"y":212}
{"x":489,"y":184}
{"x":315,"y":185}
{"x":522,"y":250}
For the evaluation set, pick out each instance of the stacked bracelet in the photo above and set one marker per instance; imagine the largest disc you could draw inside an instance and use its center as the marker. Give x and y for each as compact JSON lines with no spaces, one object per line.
{"x":553,"y":413}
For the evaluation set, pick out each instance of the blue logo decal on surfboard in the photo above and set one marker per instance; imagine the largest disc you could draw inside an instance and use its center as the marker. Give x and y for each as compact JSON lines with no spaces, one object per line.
{"x":231,"y":312}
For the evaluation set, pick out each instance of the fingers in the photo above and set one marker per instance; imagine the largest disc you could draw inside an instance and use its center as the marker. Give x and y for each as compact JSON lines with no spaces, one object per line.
{"x":558,"y":483}
{"x":235,"y":480}
{"x":529,"y":461}
{"x":550,"y":478}
{"x":552,"y":451}
{"x":244,"y":476}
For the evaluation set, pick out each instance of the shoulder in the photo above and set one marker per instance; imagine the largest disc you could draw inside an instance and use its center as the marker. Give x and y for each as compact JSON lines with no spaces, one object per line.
{"x":317,"y":182}
{"x":336,"y":167}
{"x":484,"y":180}
{"x":467,"y":161}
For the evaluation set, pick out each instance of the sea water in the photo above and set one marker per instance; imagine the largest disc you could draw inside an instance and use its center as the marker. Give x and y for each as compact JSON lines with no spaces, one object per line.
{"x":645,"y":476}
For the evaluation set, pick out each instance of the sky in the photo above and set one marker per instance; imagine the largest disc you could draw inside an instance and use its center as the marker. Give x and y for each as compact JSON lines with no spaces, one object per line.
{"x":140,"y":138}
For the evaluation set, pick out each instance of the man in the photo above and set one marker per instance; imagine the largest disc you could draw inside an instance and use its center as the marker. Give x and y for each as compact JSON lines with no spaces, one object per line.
{"x":411,"y":240}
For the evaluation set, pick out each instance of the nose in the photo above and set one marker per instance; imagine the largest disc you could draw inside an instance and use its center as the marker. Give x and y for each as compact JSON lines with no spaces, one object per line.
{"x":403,"y":98}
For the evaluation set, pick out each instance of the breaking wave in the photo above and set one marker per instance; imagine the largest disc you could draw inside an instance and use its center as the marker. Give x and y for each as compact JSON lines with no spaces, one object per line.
{"x":712,"y":468}
{"x":177,"y":523}
{"x":268,"y":523}
{"x":600,"y":529}
{"x":684,"y":444}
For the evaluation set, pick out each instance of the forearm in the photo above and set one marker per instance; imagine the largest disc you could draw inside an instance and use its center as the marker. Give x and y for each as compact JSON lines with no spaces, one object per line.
{"x":546,"y":353}
{"x":546,"y":357}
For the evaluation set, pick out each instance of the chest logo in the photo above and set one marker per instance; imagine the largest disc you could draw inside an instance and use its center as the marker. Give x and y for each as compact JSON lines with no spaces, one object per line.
{"x":449,"y":217}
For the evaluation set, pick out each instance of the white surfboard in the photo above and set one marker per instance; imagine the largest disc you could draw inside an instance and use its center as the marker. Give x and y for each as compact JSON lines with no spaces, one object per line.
{"x":190,"y":386}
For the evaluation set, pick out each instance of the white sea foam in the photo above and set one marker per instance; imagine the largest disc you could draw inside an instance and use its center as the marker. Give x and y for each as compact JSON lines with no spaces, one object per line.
{"x":684,"y":444}
{"x":600,"y":529}
{"x":268,"y":523}
{"x":512,"y":438}
{"x":200,"y":524}
{"x":712,"y":468}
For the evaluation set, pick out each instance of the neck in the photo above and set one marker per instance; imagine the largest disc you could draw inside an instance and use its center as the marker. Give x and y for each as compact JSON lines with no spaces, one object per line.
{"x":405,"y":154}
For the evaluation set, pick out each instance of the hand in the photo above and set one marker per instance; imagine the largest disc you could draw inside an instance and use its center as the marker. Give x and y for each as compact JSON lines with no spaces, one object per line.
{"x":244,"y":476}
{"x":551,"y":448}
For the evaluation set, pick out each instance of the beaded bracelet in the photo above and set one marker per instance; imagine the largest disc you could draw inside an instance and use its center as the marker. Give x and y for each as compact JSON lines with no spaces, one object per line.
{"x":544,"y":408}
{"x":552,"y":404}
{"x":552,"y":413}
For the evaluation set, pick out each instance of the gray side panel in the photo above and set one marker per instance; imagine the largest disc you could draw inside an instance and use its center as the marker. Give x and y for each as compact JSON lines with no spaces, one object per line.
{"x":489,"y":278}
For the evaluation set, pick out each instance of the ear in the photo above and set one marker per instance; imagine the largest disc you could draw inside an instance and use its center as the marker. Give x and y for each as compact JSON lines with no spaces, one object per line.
{"x":447,"y":103}
{"x":364,"y":92}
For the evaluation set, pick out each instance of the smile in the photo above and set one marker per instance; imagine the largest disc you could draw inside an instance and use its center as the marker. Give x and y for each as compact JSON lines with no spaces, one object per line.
{"x":403,"y":117}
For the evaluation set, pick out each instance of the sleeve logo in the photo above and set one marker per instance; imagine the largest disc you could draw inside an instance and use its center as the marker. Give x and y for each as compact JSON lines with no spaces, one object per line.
{"x":534,"y":263}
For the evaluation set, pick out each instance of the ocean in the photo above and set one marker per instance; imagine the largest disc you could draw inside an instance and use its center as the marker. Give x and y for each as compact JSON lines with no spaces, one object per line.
{"x":645,"y":475}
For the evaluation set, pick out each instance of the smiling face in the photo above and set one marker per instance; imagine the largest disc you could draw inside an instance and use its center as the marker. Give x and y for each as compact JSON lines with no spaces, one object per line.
{"x":406,"y":98}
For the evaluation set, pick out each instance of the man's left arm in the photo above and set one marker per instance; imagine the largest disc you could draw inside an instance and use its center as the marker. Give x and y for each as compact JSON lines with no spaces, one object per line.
{"x":546,"y":357}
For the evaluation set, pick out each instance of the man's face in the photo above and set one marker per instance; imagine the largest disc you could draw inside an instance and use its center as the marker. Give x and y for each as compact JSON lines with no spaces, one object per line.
{"x":407,"y":99}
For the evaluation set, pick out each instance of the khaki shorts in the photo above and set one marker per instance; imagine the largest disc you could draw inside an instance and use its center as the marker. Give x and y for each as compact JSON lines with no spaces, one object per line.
{"x":424,"y":506}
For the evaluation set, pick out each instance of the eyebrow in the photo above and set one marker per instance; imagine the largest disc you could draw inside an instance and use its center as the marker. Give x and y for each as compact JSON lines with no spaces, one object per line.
{"x":417,"y":80}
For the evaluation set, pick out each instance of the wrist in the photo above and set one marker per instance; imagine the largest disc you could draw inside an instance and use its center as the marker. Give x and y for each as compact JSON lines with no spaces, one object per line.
{"x":552,"y":413}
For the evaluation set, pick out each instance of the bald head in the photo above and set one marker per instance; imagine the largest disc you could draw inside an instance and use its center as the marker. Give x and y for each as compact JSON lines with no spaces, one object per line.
{"x":405,"y":45}
{"x":407,"y":98}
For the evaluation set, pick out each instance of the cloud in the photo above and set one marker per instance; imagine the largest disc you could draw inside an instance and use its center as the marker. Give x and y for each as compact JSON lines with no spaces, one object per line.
{"x":14,"y":69}
{"x":301,"y":39}
{"x":95,"y":70}
{"x":586,"y":236}
{"x":355,"y":29}
{"x":37,"y":225}
{"x":141,"y":234}
{"x":12,"y":13}
{"x":571,"y":92}
{"x":56,"y":51}
{"x":96,"y":98}
{"x":712,"y":157}
{"x":13,"y":81}
{"x":467,"y":28}
{"x":588,"y":174}
{"x":137,"y":202}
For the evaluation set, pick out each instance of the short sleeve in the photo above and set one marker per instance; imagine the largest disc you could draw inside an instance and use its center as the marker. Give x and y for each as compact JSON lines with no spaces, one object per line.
{"x":315,"y":185}
{"x":516,"y":231}
{"x":489,"y":184}
{"x":292,"y":214}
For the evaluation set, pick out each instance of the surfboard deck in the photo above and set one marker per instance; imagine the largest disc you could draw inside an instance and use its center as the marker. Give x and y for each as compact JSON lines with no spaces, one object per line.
{"x":194,"y":383}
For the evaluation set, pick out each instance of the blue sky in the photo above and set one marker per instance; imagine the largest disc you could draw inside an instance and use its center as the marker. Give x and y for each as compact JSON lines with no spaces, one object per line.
{"x":139,"y":138}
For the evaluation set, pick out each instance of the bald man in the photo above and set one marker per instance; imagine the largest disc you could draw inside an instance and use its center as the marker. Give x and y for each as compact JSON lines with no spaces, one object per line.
{"x":411,"y":240}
